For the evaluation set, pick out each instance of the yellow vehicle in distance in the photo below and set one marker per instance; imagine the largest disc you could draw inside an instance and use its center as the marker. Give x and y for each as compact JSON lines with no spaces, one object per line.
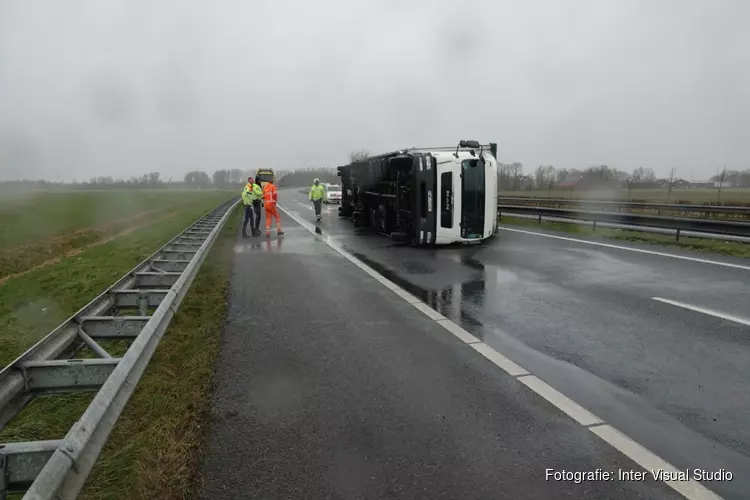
{"x":264,"y":175}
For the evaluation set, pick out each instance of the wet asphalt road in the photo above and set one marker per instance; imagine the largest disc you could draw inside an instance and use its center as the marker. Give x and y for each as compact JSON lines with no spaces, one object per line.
{"x":583,"y":318}
{"x":331,"y":386}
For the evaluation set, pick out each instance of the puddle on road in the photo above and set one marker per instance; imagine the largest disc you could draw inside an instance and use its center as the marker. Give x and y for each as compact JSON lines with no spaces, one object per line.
{"x":417,"y":267}
{"x":294,"y":241}
{"x":462,"y":301}
{"x":454,"y":301}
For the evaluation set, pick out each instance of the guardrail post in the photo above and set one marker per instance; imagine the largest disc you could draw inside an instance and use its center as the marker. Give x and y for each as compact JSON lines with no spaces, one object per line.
{"x":594,"y":226}
{"x":540,"y":219}
{"x":678,"y":235}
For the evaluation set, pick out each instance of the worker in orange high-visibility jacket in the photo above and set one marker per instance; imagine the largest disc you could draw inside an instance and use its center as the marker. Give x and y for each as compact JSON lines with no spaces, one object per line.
{"x":270,"y":199}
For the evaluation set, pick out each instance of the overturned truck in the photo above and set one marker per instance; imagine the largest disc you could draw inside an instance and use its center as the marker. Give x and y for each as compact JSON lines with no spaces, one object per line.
{"x":424,"y":196}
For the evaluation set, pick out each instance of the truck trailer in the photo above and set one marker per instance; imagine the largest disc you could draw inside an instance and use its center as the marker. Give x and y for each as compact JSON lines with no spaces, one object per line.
{"x":424,"y":196}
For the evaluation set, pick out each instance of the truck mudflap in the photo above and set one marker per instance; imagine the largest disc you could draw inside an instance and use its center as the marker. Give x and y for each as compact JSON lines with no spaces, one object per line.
{"x":425,"y":168}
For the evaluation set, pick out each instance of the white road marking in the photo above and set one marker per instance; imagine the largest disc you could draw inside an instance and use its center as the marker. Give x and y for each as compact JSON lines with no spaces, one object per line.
{"x":388,"y":283}
{"x":692,"y":490}
{"x":385,"y":281}
{"x":411,"y":299}
{"x":501,"y":361}
{"x":689,"y":489}
{"x":562,"y":402}
{"x":640,"y":250}
{"x":458,"y":331}
{"x":428,"y":311}
{"x":710,"y":312}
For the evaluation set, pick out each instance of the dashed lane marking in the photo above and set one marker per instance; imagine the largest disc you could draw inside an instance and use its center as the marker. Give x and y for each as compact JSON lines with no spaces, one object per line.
{"x":690,"y":489}
{"x":640,"y":250}
{"x":704,"y":310}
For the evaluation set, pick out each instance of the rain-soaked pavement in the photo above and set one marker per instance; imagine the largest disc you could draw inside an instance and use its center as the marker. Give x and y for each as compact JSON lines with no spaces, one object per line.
{"x":583,"y":318}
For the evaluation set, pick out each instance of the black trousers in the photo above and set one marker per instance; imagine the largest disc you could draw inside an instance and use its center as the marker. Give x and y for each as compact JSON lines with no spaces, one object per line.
{"x":248,"y":218}
{"x":318,"y":204}
{"x":257,"y":209}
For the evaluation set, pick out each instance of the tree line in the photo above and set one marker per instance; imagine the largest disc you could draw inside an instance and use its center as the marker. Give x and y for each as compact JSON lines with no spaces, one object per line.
{"x":195,"y":179}
{"x":511,"y":176}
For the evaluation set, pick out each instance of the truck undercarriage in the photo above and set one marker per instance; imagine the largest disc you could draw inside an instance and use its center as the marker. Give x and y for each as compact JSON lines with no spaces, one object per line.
{"x":393,"y":195}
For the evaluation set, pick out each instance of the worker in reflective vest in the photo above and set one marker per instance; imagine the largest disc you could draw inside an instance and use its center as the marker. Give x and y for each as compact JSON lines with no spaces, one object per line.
{"x":317,"y":193}
{"x":250,"y":194}
{"x":257,"y":205}
{"x":270,"y":199}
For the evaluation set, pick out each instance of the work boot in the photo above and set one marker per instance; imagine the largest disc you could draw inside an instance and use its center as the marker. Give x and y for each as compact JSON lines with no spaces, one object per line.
{"x":244,"y":233}
{"x":279,"y":233}
{"x":256,"y":232}
{"x":268,"y":234}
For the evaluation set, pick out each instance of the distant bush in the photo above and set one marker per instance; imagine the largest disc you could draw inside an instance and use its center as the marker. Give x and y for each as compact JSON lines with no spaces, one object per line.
{"x":305,"y":178}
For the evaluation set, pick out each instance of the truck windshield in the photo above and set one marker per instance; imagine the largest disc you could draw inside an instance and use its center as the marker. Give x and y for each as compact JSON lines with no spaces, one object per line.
{"x":265,"y":176}
{"x":472,"y":198}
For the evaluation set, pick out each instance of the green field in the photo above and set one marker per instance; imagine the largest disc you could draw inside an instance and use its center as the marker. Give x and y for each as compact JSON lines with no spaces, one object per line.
{"x":47,"y":226}
{"x":729,"y":196}
{"x":154,"y":451}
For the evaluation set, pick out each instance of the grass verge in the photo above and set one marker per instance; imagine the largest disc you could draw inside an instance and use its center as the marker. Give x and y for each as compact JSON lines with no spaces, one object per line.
{"x":707,"y":245}
{"x":34,"y":303}
{"x":80,"y":222}
{"x":155,"y":449}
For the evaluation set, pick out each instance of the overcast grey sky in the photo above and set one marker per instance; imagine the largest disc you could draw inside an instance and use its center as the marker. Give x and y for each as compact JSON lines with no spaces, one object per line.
{"x":120,"y":88}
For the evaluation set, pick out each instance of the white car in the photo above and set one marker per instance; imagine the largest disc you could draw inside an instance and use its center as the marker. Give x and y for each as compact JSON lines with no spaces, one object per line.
{"x":333,"y":193}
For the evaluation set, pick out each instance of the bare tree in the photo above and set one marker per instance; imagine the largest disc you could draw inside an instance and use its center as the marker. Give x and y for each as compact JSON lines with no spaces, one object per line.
{"x":545,"y":176}
{"x":670,"y":183}
{"x":721,"y":177}
{"x":360,"y":155}
{"x":643,"y":177}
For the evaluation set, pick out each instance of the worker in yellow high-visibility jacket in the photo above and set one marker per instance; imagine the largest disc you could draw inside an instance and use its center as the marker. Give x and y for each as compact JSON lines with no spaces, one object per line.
{"x":250,"y":194}
{"x":317,"y":193}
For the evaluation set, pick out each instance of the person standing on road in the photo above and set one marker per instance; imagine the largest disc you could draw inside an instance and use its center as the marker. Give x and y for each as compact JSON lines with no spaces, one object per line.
{"x":270,"y":199}
{"x":257,"y":206}
{"x":317,"y":193}
{"x":249,"y":194}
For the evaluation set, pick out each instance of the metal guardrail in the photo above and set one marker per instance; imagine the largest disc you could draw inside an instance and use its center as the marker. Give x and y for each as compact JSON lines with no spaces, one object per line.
{"x":678,"y":224}
{"x":57,"y":469}
{"x":704,"y":210}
